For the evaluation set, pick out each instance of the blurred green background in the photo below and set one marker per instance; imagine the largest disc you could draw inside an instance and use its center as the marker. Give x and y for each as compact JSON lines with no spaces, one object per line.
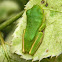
{"x":10,"y":7}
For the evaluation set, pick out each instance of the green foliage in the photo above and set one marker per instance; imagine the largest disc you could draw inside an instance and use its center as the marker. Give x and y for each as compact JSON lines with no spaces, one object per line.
{"x":11,"y":45}
{"x":7,"y":10}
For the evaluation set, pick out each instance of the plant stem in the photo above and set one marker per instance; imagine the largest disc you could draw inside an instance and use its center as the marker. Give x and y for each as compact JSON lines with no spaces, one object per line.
{"x":3,"y":45}
{"x":1,"y":38}
{"x":8,"y":22}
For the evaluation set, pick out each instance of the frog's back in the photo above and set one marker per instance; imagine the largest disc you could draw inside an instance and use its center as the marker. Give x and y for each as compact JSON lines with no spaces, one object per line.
{"x":34,"y":21}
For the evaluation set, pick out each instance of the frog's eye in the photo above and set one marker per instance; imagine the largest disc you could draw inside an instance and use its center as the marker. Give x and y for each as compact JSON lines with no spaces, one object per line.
{"x":46,"y":4}
{"x":42,"y":2}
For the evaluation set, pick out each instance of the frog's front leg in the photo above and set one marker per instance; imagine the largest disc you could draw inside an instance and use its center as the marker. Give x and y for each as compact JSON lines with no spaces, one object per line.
{"x":42,"y":27}
{"x":37,"y":40}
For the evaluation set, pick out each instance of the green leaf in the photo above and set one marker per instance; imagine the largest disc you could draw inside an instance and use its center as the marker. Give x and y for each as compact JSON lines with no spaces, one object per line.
{"x":52,"y":41}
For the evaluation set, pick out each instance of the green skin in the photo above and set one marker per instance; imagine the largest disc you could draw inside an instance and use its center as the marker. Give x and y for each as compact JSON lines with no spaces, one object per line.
{"x":33,"y":34}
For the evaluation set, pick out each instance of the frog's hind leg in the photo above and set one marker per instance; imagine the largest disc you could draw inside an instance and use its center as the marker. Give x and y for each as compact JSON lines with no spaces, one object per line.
{"x":37,"y":40}
{"x":36,"y":43}
{"x":23,"y":50}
